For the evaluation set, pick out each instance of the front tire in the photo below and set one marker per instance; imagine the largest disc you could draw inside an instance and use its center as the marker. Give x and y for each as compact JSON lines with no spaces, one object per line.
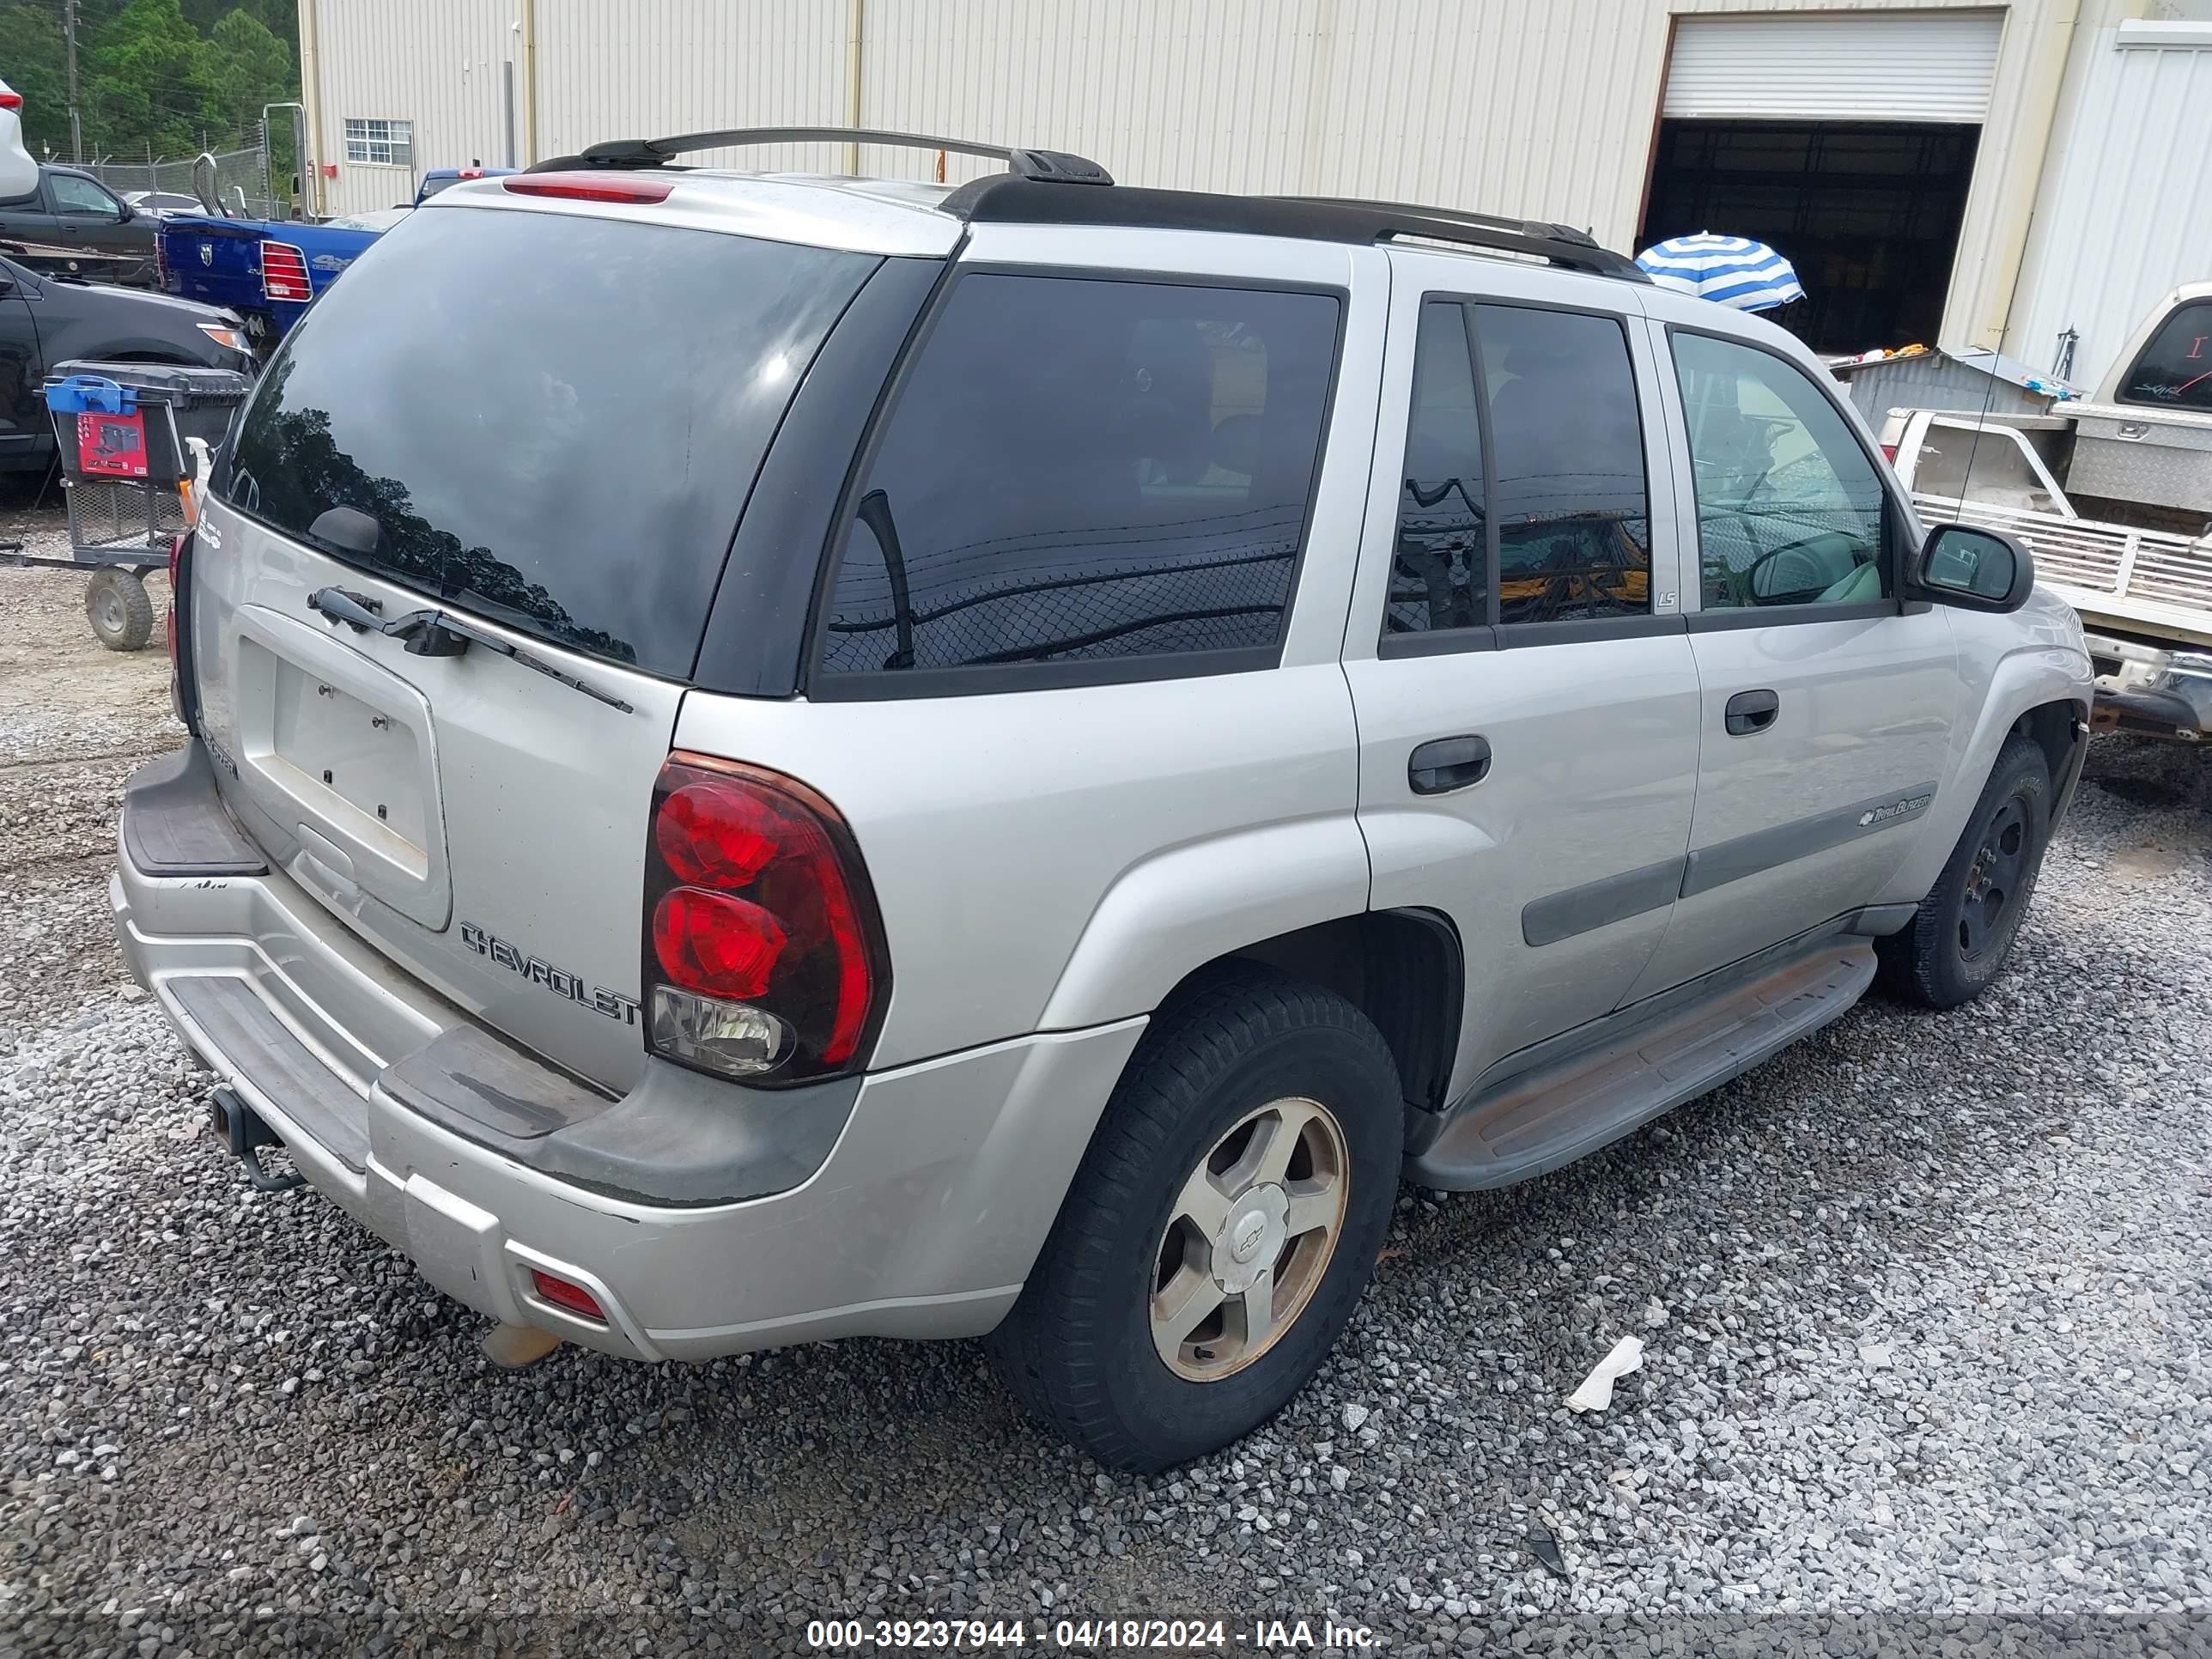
{"x":1958,"y":941}
{"x":1220,"y":1230}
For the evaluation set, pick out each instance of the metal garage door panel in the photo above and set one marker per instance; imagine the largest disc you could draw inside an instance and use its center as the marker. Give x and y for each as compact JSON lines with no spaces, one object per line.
{"x":1842,"y":67}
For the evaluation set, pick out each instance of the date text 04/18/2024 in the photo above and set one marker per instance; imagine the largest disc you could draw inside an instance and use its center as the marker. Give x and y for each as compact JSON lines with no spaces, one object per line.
{"x":1086,"y":1635}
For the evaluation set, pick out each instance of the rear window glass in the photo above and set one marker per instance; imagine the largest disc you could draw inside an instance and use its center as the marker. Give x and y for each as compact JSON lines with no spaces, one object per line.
{"x":1081,"y":470}
{"x":2175,"y":368}
{"x":553,"y":420}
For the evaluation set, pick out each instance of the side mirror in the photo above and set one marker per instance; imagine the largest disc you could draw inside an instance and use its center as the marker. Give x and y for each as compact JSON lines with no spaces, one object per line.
{"x":1973,"y":568}
{"x":7,"y":286}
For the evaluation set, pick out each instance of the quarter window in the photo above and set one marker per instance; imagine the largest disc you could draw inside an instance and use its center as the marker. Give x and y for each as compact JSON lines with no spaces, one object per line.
{"x":1083,"y":471}
{"x":1440,"y":564}
{"x":378,"y":142}
{"x":1790,"y":509}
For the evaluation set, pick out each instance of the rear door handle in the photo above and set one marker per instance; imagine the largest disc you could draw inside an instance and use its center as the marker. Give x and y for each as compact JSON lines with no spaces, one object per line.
{"x":1751,"y":711}
{"x":1443,"y":764}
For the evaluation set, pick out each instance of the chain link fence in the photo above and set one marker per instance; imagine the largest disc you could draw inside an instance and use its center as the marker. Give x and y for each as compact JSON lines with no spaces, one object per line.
{"x":242,"y":178}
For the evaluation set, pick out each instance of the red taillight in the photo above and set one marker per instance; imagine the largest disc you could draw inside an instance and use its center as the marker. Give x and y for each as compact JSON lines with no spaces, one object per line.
{"x":717,"y":835}
{"x":284,"y":272}
{"x":562,"y":1294}
{"x":11,"y":100}
{"x":716,"y":944}
{"x":763,"y":953}
{"x":589,"y":186}
{"x":1889,"y":451}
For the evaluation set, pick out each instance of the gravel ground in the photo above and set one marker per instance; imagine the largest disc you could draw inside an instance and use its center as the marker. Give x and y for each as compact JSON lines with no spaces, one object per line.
{"x":1923,"y":1304}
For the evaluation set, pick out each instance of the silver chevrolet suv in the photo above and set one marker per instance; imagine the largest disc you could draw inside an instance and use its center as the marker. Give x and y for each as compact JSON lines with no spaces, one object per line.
{"x":784,"y":758}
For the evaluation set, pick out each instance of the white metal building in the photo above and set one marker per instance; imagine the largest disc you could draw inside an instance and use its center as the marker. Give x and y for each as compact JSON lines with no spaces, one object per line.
{"x":2009,"y":171}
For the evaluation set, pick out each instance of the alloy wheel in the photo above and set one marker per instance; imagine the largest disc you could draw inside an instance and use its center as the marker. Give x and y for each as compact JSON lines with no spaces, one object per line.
{"x":1254,"y":1229}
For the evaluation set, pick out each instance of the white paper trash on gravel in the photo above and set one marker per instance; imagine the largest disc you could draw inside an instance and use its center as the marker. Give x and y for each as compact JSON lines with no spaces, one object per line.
{"x":1596,"y":1391}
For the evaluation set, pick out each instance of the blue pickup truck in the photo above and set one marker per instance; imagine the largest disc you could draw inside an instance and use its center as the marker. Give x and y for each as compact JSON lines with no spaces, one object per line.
{"x":269,"y":270}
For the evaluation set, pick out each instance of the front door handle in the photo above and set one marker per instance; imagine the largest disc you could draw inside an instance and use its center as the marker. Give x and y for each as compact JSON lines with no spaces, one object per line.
{"x":1751,"y":711}
{"x":1443,"y":764}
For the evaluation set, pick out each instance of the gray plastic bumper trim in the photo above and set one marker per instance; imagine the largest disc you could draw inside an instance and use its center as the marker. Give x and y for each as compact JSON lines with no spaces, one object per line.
{"x":174,"y":823}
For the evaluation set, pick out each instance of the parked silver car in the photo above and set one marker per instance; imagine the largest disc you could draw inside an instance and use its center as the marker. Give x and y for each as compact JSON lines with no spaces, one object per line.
{"x":778,"y":758}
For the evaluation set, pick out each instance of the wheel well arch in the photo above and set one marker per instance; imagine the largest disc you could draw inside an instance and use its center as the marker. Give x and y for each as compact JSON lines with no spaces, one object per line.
{"x":2055,"y":726}
{"x":1403,"y":968}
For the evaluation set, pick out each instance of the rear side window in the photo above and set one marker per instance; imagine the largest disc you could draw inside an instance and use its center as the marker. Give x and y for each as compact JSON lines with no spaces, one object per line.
{"x":1574,"y":520}
{"x":553,"y":420}
{"x":2175,"y":369}
{"x":1082,"y":471}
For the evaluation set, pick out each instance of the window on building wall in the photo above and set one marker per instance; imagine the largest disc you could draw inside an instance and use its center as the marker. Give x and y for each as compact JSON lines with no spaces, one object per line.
{"x":379,"y":143}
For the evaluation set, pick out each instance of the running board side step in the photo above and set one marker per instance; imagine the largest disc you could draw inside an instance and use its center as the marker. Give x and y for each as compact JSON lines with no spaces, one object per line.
{"x":1544,"y":1117}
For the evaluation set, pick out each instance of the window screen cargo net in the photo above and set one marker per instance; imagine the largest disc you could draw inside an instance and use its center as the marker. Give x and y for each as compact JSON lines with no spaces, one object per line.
{"x":552,"y":419}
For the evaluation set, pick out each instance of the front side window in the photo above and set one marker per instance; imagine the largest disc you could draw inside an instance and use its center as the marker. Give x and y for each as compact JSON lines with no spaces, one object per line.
{"x":1440,"y":564}
{"x":1574,"y":517}
{"x":81,"y":196}
{"x":1081,"y":471}
{"x":1790,"y":509}
{"x":379,"y":142}
{"x":2175,"y":369}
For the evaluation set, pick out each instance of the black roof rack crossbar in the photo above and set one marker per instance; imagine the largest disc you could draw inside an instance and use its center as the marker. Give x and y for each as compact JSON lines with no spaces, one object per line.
{"x":1001,"y":200}
{"x":1041,"y":165}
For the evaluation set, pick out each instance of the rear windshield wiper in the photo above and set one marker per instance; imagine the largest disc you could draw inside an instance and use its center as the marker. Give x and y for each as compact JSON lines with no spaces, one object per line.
{"x":432,"y":633}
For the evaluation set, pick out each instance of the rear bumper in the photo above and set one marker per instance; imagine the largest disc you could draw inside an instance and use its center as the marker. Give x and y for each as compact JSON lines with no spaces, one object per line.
{"x":704,"y":1219}
{"x":2150,"y":690}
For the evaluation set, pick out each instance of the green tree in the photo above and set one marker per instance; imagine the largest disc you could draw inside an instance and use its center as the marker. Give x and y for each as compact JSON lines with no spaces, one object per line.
{"x":36,"y":63}
{"x":280,"y":17}
{"x":252,"y":67}
{"x":152,"y":81}
{"x":178,"y":74}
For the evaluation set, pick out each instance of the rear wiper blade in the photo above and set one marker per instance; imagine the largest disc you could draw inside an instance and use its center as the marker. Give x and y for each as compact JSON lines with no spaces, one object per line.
{"x":432,"y":633}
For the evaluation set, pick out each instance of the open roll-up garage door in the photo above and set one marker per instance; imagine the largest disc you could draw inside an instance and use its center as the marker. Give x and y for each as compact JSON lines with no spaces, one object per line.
{"x":1835,"y":66}
{"x":1846,"y":140}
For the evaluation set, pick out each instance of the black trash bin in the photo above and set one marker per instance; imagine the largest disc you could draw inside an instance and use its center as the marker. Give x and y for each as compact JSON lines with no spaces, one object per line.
{"x":178,"y":401}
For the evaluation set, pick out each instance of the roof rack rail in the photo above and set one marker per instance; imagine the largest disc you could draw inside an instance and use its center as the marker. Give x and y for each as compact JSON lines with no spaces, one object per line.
{"x":1002,"y":200}
{"x":1493,"y":221}
{"x":1050,"y":167}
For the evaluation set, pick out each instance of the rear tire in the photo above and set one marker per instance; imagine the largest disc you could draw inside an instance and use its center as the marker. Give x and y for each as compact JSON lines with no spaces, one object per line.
{"x":1960,"y":937}
{"x":1259,"y":1108}
{"x":119,"y":609}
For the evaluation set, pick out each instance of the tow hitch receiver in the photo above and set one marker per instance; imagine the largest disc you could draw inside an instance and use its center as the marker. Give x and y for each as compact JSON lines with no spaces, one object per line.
{"x":238,"y":1128}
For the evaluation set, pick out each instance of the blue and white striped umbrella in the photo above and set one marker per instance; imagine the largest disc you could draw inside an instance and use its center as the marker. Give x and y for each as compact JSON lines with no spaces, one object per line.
{"x":1729,"y":271}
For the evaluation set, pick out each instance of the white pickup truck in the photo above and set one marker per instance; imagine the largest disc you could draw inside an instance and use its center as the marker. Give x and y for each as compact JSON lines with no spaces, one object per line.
{"x":2114,"y":494}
